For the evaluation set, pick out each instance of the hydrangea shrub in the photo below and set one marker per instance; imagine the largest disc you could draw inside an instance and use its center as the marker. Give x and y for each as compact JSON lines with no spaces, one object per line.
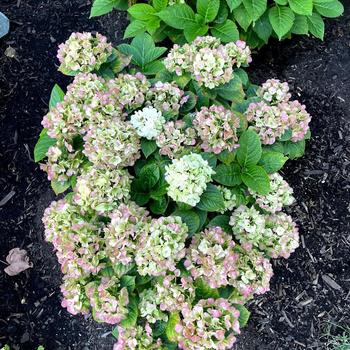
{"x":173,"y":205}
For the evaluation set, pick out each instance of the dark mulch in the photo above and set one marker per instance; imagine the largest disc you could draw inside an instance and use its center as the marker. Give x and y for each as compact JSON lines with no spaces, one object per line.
{"x":307,"y":290}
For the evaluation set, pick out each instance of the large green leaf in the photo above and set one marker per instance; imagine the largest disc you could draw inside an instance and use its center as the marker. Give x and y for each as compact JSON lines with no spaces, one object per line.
{"x":101,"y":7}
{"x":249,"y":150}
{"x":149,"y":176}
{"x":300,"y":25}
{"x":57,"y":95}
{"x":226,"y":31}
{"x":242,"y":16}
{"x":192,"y":30}
{"x":294,"y":149}
{"x":211,"y":199}
{"x":228,"y":175}
{"x":301,"y":7}
{"x":208,"y":9}
{"x":190,"y":218}
{"x":231,"y":91}
{"x":281,"y":19}
{"x":60,"y":186}
{"x":134,"y":28}
{"x":203,"y":291}
{"x":142,"y":12}
{"x":233,"y":4}
{"x":256,"y":178}
{"x":43,"y":145}
{"x":244,"y":314}
{"x":263,"y":28}
{"x":272,"y":161}
{"x":142,"y":49}
{"x":148,"y":147}
{"x":221,"y":221}
{"x":316,"y":25}
{"x":255,"y":8}
{"x":174,"y":319}
{"x":329,"y":8}
{"x":177,"y":16}
{"x":131,"y":318}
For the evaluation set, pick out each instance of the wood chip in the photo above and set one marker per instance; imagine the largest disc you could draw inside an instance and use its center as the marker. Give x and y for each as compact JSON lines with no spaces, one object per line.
{"x":333,"y":284}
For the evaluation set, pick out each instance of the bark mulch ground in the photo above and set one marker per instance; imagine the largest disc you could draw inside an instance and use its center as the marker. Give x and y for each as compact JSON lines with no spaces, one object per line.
{"x":308,"y":290}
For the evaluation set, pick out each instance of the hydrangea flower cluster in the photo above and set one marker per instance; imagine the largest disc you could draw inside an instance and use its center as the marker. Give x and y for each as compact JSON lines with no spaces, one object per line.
{"x":276,"y":235}
{"x":166,"y":97}
{"x":102,"y":189}
{"x":148,"y":122}
{"x":112,"y":144}
{"x":161,"y":245}
{"x":217,"y":128}
{"x":207,"y":60}
{"x":280,"y":195}
{"x":84,"y":52}
{"x":187,"y":178}
{"x":207,"y":324}
{"x":140,"y":240}
{"x":174,"y":138}
{"x":276,"y":114}
{"x":211,"y":256}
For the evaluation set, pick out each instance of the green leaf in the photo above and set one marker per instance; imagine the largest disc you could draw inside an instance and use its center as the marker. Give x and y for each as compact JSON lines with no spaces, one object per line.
{"x":159,"y":206}
{"x":316,"y":25}
{"x":121,"y":269}
{"x":294,"y":149}
{"x":221,"y":221}
{"x":243,"y":18}
{"x":160,"y":4}
{"x":190,"y":103}
{"x":115,"y":333}
{"x":226,"y":31}
{"x":131,"y":318}
{"x":231,"y":91}
{"x":211,"y":199}
{"x":177,"y":16}
{"x":148,"y":147}
{"x":281,"y":19}
{"x":143,"y":12}
{"x":226,"y":156}
{"x":256,"y":178}
{"x":57,"y":95}
{"x":243,"y":76}
{"x":101,"y":7}
{"x":329,"y":8}
{"x":233,"y":4}
{"x":222,"y":13}
{"x":281,"y":2}
{"x":174,"y":319}
{"x":142,"y":49}
{"x":159,"y":329}
{"x":128,"y":282}
{"x":203,"y":291}
{"x":60,"y":186}
{"x":149,"y":175}
{"x":300,"y":25}
{"x":272,"y":161}
{"x":134,"y":28}
{"x":43,"y":145}
{"x":301,"y":7}
{"x":190,"y":218}
{"x":138,"y":194}
{"x":263,"y":28}
{"x":249,"y":150}
{"x":244,"y":315}
{"x":228,"y":175}
{"x":255,"y":8}
{"x":208,"y":9}
{"x":153,"y":68}
{"x":210,"y":158}
{"x":192,"y":30}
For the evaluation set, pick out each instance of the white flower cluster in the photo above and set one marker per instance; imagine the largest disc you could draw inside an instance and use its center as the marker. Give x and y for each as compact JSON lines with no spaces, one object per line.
{"x":148,"y":122}
{"x":187,"y":178}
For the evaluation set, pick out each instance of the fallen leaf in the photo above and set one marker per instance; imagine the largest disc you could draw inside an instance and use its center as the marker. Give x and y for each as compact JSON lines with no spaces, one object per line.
{"x":18,"y":261}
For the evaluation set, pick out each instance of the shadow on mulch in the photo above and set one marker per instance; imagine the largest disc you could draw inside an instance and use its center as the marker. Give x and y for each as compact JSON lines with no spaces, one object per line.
{"x":307,"y":290}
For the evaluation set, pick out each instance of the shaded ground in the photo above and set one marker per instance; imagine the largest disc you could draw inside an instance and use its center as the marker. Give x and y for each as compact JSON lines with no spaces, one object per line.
{"x":308,"y":289}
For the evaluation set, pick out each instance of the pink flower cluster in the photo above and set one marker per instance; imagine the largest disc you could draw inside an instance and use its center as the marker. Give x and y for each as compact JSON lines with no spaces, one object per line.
{"x":211,"y":256}
{"x":276,"y":114}
{"x":166,"y":97}
{"x":217,"y":128}
{"x":83,"y":52}
{"x":174,"y":138}
{"x":209,"y":324}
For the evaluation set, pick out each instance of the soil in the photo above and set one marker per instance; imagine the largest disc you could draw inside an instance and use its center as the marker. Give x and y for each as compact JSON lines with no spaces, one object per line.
{"x":308,"y":290}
